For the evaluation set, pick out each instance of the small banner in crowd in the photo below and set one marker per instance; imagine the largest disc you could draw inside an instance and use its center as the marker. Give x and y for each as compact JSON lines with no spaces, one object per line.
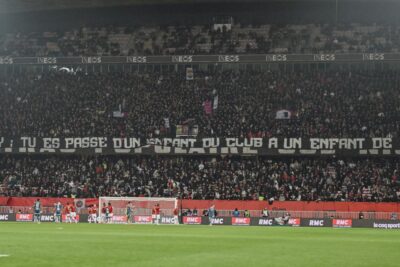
{"x":215,"y":102}
{"x":283,"y":114}
{"x":189,"y":74}
{"x":207,"y":107}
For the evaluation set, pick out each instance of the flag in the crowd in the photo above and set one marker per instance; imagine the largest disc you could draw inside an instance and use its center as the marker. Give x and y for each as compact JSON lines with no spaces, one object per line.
{"x":283,"y":114}
{"x":215,"y":102}
{"x":166,"y":123}
{"x":189,"y":74}
{"x":207,"y":107}
{"x":118,"y":113}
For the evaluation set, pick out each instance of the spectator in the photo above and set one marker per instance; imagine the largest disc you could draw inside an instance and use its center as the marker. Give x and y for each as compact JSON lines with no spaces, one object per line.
{"x":246,"y":214}
{"x":194,"y":213}
{"x":59,"y":176}
{"x":236,"y":213}
{"x":265,"y":213}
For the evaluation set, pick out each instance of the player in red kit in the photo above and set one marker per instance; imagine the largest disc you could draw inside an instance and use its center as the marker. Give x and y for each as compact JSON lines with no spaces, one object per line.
{"x":73,"y":213}
{"x":90,"y":212}
{"x":176,"y":214}
{"x":109,"y":213}
{"x":94,"y":213}
{"x":67,"y":211}
{"x":156,"y":213}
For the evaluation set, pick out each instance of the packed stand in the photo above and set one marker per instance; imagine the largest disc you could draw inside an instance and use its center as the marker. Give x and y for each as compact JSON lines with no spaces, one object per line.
{"x":204,"y":39}
{"x":220,"y":104}
{"x":202,"y":178}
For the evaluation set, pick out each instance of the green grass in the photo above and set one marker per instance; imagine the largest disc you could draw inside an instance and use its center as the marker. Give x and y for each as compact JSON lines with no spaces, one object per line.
{"x":178,"y":245}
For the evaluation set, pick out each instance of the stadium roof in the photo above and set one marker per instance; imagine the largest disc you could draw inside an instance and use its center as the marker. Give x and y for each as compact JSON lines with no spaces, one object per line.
{"x":15,"y":6}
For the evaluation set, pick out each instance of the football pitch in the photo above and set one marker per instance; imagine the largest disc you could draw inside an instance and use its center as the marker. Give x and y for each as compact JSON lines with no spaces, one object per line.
{"x":28,"y":244}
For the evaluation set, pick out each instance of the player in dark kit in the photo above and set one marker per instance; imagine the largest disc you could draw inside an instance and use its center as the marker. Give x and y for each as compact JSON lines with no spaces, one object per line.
{"x":109,"y":213}
{"x":103,"y":213}
{"x":37,"y":211}
{"x":57,"y":212}
{"x":129,"y":212}
{"x":211,"y":214}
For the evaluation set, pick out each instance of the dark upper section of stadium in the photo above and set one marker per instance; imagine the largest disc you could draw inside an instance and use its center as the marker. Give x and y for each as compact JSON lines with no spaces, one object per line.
{"x":43,"y":15}
{"x":10,"y":6}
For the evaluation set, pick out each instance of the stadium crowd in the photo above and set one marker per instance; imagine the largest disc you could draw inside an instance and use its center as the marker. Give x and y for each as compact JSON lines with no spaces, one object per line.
{"x":204,"y":39}
{"x":252,"y":104}
{"x":229,"y":103}
{"x":202,"y":178}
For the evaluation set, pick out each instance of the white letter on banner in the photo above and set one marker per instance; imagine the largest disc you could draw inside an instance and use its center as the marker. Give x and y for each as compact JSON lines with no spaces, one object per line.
{"x":286,"y":144}
{"x":297,"y":143}
{"x":167,"y":141}
{"x":24,"y":141}
{"x":117,"y":142}
{"x":47,"y":143}
{"x":210,"y":142}
{"x":77,"y":142}
{"x":333,"y":142}
{"x":229,"y":142}
{"x":292,"y":144}
{"x":344,"y":143}
{"x":56,"y":142}
{"x":387,"y":142}
{"x":273,"y":143}
{"x":258,"y":142}
{"x":131,"y":143}
{"x":51,"y":142}
{"x":102,"y":141}
{"x":377,"y":143}
{"x":85,"y":142}
{"x":360,"y":142}
{"x":191,"y":142}
{"x":68,"y":142}
{"x":314,"y":144}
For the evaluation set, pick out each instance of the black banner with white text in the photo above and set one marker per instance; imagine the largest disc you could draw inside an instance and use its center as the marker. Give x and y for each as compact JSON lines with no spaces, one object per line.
{"x":205,"y":146}
{"x":185,"y":59}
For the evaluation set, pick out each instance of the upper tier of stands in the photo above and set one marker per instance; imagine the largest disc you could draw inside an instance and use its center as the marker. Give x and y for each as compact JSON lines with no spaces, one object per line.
{"x":203,"y":39}
{"x":223,"y":104}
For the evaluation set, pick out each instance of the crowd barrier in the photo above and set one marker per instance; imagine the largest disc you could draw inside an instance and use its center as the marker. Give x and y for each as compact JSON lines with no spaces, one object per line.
{"x":229,"y":213}
{"x":235,"y":221}
{"x":232,"y":204}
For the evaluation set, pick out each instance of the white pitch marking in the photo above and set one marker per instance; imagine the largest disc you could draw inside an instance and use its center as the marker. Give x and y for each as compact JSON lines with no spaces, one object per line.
{"x":4,"y":255}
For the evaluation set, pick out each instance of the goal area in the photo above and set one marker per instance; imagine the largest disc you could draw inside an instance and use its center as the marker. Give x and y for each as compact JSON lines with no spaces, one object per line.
{"x":141,"y":208}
